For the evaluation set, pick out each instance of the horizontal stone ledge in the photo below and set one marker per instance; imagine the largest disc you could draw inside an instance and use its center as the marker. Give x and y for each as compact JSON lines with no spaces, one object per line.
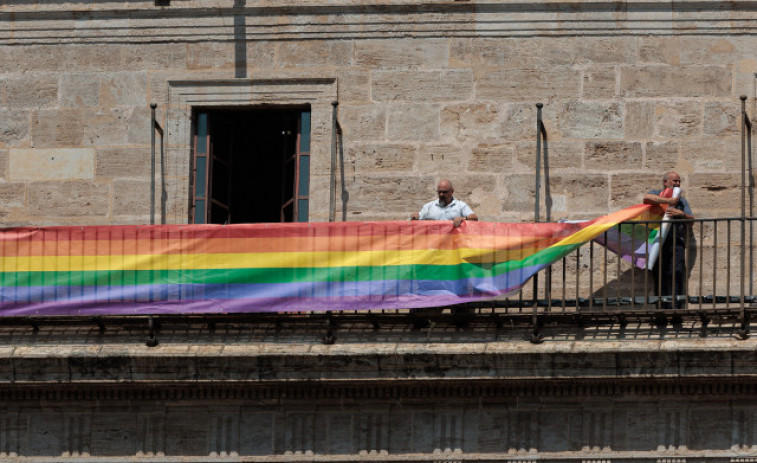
{"x":459,"y":362}
{"x":405,"y":391}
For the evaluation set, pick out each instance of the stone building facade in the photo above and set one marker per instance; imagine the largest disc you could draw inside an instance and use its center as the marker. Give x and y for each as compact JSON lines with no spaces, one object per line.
{"x":425,"y":90}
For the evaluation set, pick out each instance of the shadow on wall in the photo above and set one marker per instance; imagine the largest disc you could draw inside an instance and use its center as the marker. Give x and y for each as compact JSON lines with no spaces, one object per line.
{"x":636,"y":282}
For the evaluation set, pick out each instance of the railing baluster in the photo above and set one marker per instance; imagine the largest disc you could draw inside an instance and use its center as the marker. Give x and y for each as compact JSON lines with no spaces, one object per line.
{"x":728,"y":265}
{"x":714,"y":263}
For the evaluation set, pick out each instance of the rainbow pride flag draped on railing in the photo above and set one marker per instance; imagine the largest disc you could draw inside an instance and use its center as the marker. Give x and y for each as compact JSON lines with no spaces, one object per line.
{"x":176,"y":269}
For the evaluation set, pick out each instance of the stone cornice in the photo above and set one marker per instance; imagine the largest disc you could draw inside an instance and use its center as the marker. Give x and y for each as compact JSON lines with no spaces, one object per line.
{"x":406,"y":392}
{"x":184,"y":21}
{"x":272,"y":363}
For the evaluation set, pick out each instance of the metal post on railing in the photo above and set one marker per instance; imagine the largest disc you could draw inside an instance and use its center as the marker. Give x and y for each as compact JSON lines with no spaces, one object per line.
{"x":535,"y":336}
{"x":750,"y":195}
{"x":155,"y":127}
{"x":542,"y":157}
{"x":152,"y":162}
{"x":332,"y":183}
{"x":537,"y":163}
{"x":742,"y":229}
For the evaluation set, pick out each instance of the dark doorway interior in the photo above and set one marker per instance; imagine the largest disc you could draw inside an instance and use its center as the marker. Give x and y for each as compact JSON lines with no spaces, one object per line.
{"x":250,"y":170}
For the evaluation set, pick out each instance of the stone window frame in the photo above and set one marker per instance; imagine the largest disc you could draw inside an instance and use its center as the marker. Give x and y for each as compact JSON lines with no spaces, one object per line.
{"x":184,"y":96}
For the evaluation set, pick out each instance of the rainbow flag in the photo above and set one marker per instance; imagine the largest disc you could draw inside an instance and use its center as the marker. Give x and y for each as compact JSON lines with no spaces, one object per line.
{"x":177,"y":269}
{"x":638,"y":240}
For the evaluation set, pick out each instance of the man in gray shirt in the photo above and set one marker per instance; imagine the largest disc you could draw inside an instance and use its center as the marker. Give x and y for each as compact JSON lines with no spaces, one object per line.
{"x":446,"y":207}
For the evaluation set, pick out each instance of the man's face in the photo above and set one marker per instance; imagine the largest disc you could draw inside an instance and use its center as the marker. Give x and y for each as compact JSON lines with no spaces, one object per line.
{"x":673,"y":180}
{"x":444,"y":191}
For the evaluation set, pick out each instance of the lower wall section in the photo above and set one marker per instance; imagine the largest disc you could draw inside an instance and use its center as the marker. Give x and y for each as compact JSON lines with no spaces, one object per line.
{"x":661,"y":423}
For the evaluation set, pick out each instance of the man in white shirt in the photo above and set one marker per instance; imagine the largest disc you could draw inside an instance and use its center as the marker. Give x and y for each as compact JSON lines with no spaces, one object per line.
{"x":446,"y":207}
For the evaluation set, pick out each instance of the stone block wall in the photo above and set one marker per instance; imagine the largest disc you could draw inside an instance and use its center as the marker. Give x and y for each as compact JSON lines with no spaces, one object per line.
{"x":425,"y":91}
{"x":252,"y":393}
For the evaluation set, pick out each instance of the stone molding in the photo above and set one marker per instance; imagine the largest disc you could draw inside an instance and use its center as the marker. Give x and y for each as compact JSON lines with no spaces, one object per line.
{"x":273,"y":364}
{"x":184,"y":96}
{"x":615,"y":427}
{"x":346,"y":20}
{"x":408,"y":392}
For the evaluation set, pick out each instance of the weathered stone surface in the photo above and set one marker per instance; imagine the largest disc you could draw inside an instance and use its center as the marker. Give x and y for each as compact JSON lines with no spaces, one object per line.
{"x":629,"y":188}
{"x":260,"y":55}
{"x":721,"y":119}
{"x":316,"y":53}
{"x":14,"y":127}
{"x":660,"y":50}
{"x":32,"y":92}
{"x":669,"y":81}
{"x":640,"y":119}
{"x":470,"y":122}
{"x":7,"y":58}
{"x":36,"y":58}
{"x":713,"y":194}
{"x":520,"y":121}
{"x":138,"y":128}
{"x":363,"y":122}
{"x":131,"y":197}
{"x":422,"y":86}
{"x":714,"y":49}
{"x":605,"y":50}
{"x":491,"y":157}
{"x":418,"y":122}
{"x":159,"y":56}
{"x":402,"y":53}
{"x":177,"y":209}
{"x":12,"y":197}
{"x":518,"y":193}
{"x":477,"y":51}
{"x":676,"y":120}
{"x":69,"y":199}
{"x":106,"y":127}
{"x":608,"y":156}
{"x":528,"y":84}
{"x":124,"y":163}
{"x":355,"y":86}
{"x":396,"y":195}
{"x":40,"y":164}
{"x":560,"y":155}
{"x":212,"y":55}
{"x":384,"y":157}
{"x":599,"y":82}
{"x":442,"y":159}
{"x":582,"y":192}
{"x":589,"y":119}
{"x":79,"y":90}
{"x":124,"y":89}
{"x":712,"y":155}
{"x":64,"y":128}
{"x":663,"y":156}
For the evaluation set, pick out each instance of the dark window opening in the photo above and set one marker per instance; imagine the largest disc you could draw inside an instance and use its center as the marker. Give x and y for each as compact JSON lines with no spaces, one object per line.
{"x":251,"y":165}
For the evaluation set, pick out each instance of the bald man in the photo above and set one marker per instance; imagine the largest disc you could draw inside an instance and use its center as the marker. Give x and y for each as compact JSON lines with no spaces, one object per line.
{"x":446,"y":207}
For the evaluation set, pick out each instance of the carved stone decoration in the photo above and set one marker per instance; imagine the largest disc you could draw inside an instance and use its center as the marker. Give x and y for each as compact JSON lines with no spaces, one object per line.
{"x":150,"y":434}
{"x":223,"y":434}
{"x":77,"y":432}
{"x":9,"y":428}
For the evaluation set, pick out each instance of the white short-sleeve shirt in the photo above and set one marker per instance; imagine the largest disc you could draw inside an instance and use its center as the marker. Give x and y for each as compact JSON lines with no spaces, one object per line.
{"x":434,"y":211}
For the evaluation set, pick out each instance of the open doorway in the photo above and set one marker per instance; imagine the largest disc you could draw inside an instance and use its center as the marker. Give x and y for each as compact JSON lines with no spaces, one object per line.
{"x":251,"y":165}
